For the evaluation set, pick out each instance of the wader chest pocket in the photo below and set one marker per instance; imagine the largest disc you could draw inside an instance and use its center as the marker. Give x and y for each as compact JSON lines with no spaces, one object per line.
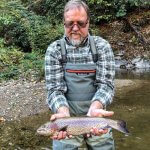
{"x":81,"y":72}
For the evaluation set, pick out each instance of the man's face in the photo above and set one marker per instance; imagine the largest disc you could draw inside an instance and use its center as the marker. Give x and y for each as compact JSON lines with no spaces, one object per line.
{"x":76,"y":25}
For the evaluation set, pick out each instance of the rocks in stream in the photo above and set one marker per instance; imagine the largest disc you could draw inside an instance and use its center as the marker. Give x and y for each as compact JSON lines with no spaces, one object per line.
{"x":2,"y":119}
{"x":136,"y":63}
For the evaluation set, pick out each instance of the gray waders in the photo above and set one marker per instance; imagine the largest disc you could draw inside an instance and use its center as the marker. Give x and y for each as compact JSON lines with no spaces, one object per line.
{"x":80,"y":80}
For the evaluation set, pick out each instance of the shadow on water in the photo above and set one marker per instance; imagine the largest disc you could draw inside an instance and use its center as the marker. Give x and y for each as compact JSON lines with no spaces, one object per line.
{"x":133,"y":107}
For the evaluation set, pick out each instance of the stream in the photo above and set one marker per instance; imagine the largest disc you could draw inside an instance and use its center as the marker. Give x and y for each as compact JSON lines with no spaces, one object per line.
{"x":133,"y":106}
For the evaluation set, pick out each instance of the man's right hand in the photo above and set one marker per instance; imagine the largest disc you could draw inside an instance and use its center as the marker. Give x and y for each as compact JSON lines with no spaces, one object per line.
{"x":61,"y":113}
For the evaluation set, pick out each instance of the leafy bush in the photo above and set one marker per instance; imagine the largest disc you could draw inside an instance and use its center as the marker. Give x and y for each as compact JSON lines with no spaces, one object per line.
{"x":49,"y":8}
{"x":107,"y":10}
{"x":32,"y":66}
{"x":12,"y":72}
{"x":25,"y":29}
{"x":14,"y":63}
{"x":122,"y":7}
{"x":101,"y":10}
{"x":10,"y":58}
{"x":9,"y":55}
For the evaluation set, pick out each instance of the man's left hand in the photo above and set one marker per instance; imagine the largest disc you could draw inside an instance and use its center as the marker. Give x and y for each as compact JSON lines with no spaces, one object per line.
{"x":96,"y":110}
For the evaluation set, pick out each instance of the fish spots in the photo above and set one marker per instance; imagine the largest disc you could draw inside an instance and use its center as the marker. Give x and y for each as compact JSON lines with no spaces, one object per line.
{"x":54,"y":127}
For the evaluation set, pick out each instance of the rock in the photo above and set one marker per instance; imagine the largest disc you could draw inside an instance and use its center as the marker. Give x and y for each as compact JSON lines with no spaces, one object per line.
{"x":2,"y":119}
{"x":136,"y":63}
{"x":141,"y":63}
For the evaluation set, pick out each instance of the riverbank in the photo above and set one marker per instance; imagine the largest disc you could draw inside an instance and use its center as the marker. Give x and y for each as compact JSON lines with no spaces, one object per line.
{"x":19,"y":98}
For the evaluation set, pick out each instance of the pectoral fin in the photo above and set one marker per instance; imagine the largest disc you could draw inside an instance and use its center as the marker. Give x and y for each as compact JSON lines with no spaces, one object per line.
{"x":64,"y":128}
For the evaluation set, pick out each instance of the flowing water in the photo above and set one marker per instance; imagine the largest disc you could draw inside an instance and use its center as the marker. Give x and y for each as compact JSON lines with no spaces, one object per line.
{"x":132,"y":105}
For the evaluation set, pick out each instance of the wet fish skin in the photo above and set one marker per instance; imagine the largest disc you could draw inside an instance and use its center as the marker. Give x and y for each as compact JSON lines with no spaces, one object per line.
{"x":80,"y":125}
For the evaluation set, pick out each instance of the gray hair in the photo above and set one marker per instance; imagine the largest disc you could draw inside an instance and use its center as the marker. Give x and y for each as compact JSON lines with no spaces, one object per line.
{"x":77,"y":4}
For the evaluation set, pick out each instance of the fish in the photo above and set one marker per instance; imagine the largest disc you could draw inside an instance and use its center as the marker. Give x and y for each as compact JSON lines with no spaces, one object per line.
{"x":80,"y":125}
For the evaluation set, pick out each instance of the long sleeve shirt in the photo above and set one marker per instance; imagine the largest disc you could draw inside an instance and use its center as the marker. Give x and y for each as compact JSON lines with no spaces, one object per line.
{"x":54,"y":74}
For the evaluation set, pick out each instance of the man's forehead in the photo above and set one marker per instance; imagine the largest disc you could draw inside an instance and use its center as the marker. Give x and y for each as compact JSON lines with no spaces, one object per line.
{"x":73,"y":11}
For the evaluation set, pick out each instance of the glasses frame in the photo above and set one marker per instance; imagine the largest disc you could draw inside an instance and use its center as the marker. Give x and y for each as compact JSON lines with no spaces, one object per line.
{"x":77,"y":23}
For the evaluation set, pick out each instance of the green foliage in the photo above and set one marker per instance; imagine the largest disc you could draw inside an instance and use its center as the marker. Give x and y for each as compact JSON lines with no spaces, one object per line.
{"x":123,"y":6}
{"x":106,"y":10}
{"x":49,"y":8}
{"x":33,"y":66}
{"x":12,"y":72}
{"x":25,"y":29}
{"x":94,"y":30}
{"x":9,"y":55}
{"x":101,"y":10}
{"x":14,"y":63}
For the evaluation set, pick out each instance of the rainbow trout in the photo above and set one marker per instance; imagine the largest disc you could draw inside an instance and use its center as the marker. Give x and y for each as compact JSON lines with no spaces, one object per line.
{"x":80,"y":125}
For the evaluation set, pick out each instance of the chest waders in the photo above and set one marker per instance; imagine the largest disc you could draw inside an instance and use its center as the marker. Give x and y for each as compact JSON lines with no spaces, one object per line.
{"x":80,"y":80}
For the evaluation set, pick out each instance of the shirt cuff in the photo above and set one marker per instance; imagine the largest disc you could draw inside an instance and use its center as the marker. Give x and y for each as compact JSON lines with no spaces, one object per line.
{"x":104,"y":96}
{"x":57,"y":102}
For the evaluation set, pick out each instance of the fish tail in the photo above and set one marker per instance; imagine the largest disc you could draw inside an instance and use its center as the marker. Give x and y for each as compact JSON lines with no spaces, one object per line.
{"x":121,"y":126}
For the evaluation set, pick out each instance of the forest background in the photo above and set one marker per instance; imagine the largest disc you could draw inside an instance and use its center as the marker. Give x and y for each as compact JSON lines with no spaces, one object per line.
{"x":27,"y":27}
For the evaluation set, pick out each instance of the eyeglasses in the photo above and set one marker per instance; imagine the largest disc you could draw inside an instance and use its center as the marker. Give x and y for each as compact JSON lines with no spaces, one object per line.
{"x":80,"y":24}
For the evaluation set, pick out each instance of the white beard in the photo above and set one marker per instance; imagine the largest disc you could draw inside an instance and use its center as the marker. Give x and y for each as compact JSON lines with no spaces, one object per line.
{"x":75,"y":42}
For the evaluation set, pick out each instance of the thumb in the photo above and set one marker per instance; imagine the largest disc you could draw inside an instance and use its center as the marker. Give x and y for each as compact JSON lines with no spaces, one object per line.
{"x":52,"y":117}
{"x":55,"y":116}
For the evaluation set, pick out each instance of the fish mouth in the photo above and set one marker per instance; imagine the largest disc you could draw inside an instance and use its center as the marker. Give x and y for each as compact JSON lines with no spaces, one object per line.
{"x":44,"y":132}
{"x":41,"y":131}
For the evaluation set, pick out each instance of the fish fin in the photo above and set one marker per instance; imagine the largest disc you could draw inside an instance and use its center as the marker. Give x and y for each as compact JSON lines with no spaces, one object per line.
{"x":64,"y":128}
{"x":105,"y":127}
{"x":121,"y":126}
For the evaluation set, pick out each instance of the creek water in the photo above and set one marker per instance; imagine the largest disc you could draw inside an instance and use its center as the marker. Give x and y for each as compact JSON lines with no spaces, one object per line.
{"x":131,"y":105}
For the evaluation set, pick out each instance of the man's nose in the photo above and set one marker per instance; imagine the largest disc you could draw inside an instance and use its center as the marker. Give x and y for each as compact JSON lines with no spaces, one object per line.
{"x":75,"y":27}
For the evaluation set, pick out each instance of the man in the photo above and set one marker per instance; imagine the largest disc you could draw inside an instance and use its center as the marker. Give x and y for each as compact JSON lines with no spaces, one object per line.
{"x":79,"y":71}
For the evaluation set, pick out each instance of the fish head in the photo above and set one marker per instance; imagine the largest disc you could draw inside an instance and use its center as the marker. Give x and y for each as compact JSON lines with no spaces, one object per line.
{"x":47,"y":129}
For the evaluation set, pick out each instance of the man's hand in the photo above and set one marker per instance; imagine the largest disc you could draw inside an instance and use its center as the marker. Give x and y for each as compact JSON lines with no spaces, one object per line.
{"x":96,"y":110}
{"x":62,"y":112}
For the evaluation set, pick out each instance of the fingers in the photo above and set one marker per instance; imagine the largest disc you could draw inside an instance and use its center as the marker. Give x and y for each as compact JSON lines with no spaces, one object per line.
{"x":103,"y":113}
{"x":107,"y":113}
{"x":61,"y":135}
{"x":55,"y":116}
{"x":98,"y":132}
{"x":88,"y":135}
{"x":100,"y":113}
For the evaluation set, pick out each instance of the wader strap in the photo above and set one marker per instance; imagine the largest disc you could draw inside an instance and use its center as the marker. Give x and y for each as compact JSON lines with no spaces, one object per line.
{"x":93,"y":48}
{"x":63,"y":51}
{"x":92,"y":45}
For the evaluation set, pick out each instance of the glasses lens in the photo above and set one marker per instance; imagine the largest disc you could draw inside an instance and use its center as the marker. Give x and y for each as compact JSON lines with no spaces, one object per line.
{"x":82,"y":24}
{"x":69,"y":24}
